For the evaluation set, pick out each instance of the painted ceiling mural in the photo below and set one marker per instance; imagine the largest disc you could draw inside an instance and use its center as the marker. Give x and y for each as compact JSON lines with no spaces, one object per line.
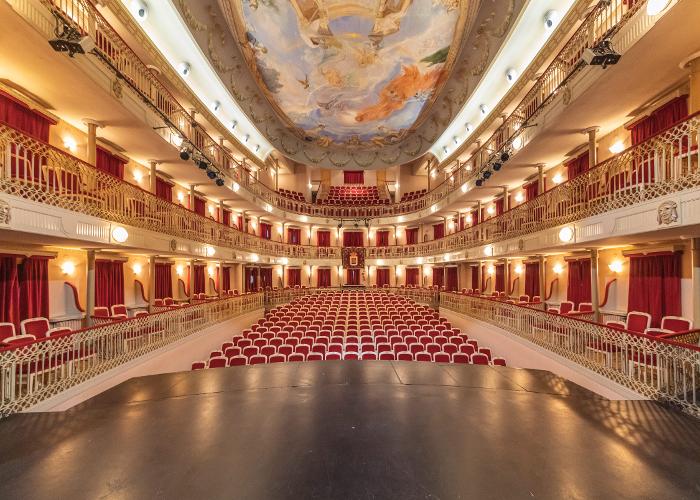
{"x":218,"y":27}
{"x":350,"y":72}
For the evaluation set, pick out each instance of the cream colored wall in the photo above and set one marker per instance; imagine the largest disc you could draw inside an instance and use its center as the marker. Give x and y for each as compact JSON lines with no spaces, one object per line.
{"x":60,"y":301}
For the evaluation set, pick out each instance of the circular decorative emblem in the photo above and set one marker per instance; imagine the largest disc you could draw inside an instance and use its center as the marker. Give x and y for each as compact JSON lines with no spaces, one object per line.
{"x":173,"y":245}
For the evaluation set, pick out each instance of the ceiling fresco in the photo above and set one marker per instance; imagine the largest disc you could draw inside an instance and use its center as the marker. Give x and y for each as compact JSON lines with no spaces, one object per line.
{"x":350,"y":72}
{"x":220,"y":29}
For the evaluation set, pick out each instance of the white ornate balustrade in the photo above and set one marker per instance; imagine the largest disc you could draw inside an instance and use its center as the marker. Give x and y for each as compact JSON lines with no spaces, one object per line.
{"x":666,"y":368}
{"x":427,"y":296}
{"x":34,"y":371}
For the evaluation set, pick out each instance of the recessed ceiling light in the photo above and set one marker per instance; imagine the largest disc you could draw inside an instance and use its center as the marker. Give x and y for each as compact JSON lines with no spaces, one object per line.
{"x":511,"y":75}
{"x":184,"y":68}
{"x":484,"y":109}
{"x":140,"y":9}
{"x":469,"y":127}
{"x":444,"y":148}
{"x":455,"y":140}
{"x":234,"y":124}
{"x":216,"y":105}
{"x":551,"y":18}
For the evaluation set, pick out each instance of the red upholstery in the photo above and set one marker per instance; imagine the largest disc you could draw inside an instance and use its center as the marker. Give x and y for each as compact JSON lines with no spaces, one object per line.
{"x":35,"y":326}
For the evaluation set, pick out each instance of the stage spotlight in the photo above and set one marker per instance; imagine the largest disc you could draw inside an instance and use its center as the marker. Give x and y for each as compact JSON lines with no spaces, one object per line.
{"x":479,"y":182}
{"x":505,"y":156}
{"x":185,"y":153}
{"x":211,"y":174}
{"x":70,"y":40}
{"x":486,"y":174}
{"x":497,"y":166}
{"x":203,"y":164}
{"x":601,"y":54}
{"x":219,"y":181}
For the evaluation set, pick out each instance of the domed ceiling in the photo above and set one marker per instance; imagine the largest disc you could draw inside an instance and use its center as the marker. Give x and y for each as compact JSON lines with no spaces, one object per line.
{"x":350,"y":72}
{"x":350,"y":84}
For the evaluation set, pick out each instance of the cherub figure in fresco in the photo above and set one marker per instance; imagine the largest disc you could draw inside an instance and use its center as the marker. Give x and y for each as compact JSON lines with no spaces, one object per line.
{"x":410,"y":84}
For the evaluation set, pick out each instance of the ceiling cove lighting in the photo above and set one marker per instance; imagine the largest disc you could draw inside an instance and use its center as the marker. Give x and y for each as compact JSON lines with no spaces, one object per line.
{"x":168,"y":31}
{"x":524,"y":40}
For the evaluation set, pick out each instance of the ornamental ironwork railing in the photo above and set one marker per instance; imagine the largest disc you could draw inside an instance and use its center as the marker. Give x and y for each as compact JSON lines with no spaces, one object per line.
{"x":666,"y":163}
{"x":666,"y":368}
{"x":427,"y":296}
{"x":42,"y":173}
{"x":33,"y":371}
{"x":604,"y":20}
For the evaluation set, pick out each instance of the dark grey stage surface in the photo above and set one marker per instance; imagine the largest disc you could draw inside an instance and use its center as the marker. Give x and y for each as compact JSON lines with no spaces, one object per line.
{"x":345,"y":429}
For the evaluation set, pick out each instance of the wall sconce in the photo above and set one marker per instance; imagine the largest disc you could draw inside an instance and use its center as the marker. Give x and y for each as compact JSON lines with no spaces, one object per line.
{"x":419,"y":261}
{"x":210,"y":271}
{"x":491,"y":270}
{"x":254,"y":224}
{"x":180,"y":196}
{"x":279,"y":272}
{"x":370,"y":235}
{"x":617,"y":147}
{"x":519,"y":197}
{"x":491,"y":210}
{"x":68,"y":268}
{"x":308,"y":233}
{"x":268,"y":208}
{"x":451,"y":225}
{"x":138,"y":176}
{"x":399,"y":271}
{"x":434,"y":208}
{"x":70,"y":144}
{"x":279,"y":230}
{"x":137,"y":268}
{"x":446,"y":257}
{"x":304,"y":218}
{"x":179,"y":270}
{"x":340,"y":271}
{"x":427,"y":270}
{"x":398,"y":232}
{"x":558,"y":268}
{"x":380,"y":262}
{"x":557,"y":179}
{"x":254,"y":257}
{"x":210,"y":251}
{"x":469,"y":218}
{"x":615,"y":266}
{"x":518,"y":269}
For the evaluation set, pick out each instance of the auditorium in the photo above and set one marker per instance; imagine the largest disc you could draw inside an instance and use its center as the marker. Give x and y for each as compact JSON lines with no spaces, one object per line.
{"x":377,"y":249}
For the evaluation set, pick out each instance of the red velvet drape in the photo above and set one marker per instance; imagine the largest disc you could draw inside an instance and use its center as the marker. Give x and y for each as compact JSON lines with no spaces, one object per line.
{"x":200,"y":280}
{"x":412,"y":236}
{"x":107,"y":162}
{"x":109,"y":283}
{"x":382,"y":238}
{"x":353,"y":277}
{"x":16,"y":114}
{"x":413,"y":276}
{"x":294,"y":236}
{"x":500,"y":278}
{"x":266,"y":277}
{"x":667,"y":115}
{"x":499,"y":204}
{"x":578,"y":288}
{"x":227,"y":217}
{"x":323,"y":238}
{"x":438,"y":276}
{"x":531,"y":190}
{"x":655,"y":285}
{"x":200,"y":206}
{"x":251,"y":279}
{"x":353,"y":239}
{"x":164,"y":190}
{"x":227,"y":279}
{"x":353,"y":176}
{"x":438,"y":231}
{"x":266,"y":230}
{"x":532,"y":279}
{"x":164,"y":280}
{"x":382,"y":277}
{"x":475,"y":277}
{"x":293,"y":277}
{"x":9,"y":291}
{"x":323,"y":278}
{"x":34,"y":287}
{"x":452,"y":279}
{"x":576,"y":166}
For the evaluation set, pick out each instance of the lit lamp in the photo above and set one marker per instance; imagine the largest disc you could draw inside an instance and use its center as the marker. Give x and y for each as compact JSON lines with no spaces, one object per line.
{"x":558,"y":268}
{"x":557,"y":179}
{"x":179,"y":270}
{"x":491,"y":210}
{"x":616,"y":148}
{"x":518,"y":269}
{"x":137,"y":268}
{"x":615,"y":266}
{"x":68,"y":268}
{"x":399,"y":271}
{"x":519,"y":197}
{"x":427,"y":270}
{"x":491,"y":270}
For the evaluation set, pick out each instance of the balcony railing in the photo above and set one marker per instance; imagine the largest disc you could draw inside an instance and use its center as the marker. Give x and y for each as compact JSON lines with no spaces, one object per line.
{"x":34,"y":371}
{"x":39,"y":172}
{"x":664,"y":164}
{"x":426,"y":296}
{"x":664,"y":369}
{"x":605,"y":19}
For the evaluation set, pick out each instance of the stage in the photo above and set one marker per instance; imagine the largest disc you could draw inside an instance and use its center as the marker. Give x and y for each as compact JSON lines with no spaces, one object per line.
{"x":351,"y":429}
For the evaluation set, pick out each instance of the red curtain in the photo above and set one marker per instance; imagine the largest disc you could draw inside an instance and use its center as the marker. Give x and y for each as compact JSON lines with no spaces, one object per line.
{"x":667,"y":115}
{"x":438,"y":276}
{"x":293,"y":277}
{"x":240,"y":223}
{"x":34,"y":287}
{"x":323,"y":278}
{"x":227,"y":279}
{"x":353,"y":277}
{"x":107,"y":162}
{"x":452,"y":276}
{"x":200,"y":206}
{"x":500,"y":278}
{"x":164,"y":189}
{"x":266,"y":277}
{"x":475,"y":277}
{"x":578,"y":288}
{"x":382,"y":238}
{"x":655,"y":285}
{"x":16,"y":114}
{"x":294,"y":236}
{"x":164,"y":280}
{"x":323,"y":238}
{"x":382,"y":277}
{"x":531,"y":190}
{"x":475,"y":217}
{"x":577,"y":166}
{"x":353,"y":239}
{"x":251,"y":279}
{"x":227,"y":217}
{"x":200,"y":280}
{"x":499,"y":203}
{"x":412,"y":236}
{"x":353,"y":176}
{"x":412,"y":276}
{"x":109,"y":283}
{"x":532,"y":279}
{"x":438,"y":231}
{"x":9,"y":291}
{"x":266,"y":230}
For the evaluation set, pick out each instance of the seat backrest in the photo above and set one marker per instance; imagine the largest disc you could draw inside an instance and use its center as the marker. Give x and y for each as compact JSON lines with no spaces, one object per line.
{"x":585,"y":307}
{"x":6,"y":330}
{"x":566,"y":307}
{"x":101,"y":312}
{"x":35,"y":326}
{"x":676,"y":324}
{"x":118,"y":309}
{"x":638,"y":321}
{"x":57,"y":331}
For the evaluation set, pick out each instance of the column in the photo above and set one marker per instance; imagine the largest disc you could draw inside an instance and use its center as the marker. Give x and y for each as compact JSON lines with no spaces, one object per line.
{"x":506,"y":276}
{"x":429,"y":167}
{"x":152,"y":178}
{"x":90,"y":288}
{"x":192,"y":195}
{"x":506,"y":199}
{"x":592,"y":146}
{"x":221,"y":211}
{"x":543,"y":277}
{"x":480,"y":270}
{"x":692,"y":63}
{"x":257,"y":278}
{"x":540,"y":179}
{"x":151,"y":283}
{"x":594,"y":284}
{"x":92,"y":126}
{"x":191,"y":266}
{"x":695,"y":279}
{"x":221,"y":278}
{"x":243,"y":275}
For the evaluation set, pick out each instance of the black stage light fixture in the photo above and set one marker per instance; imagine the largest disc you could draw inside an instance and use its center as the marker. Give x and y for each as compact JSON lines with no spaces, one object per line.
{"x":505,"y":156}
{"x":603,"y":54}
{"x":203,"y":164}
{"x":486,"y":174}
{"x":479,"y":182}
{"x":219,"y":181}
{"x":497,"y":166}
{"x":211,"y":174}
{"x":185,"y":154}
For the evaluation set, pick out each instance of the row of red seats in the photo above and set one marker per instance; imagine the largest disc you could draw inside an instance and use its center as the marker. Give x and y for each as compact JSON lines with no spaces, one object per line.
{"x":294,"y":195}
{"x":412,"y":195}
